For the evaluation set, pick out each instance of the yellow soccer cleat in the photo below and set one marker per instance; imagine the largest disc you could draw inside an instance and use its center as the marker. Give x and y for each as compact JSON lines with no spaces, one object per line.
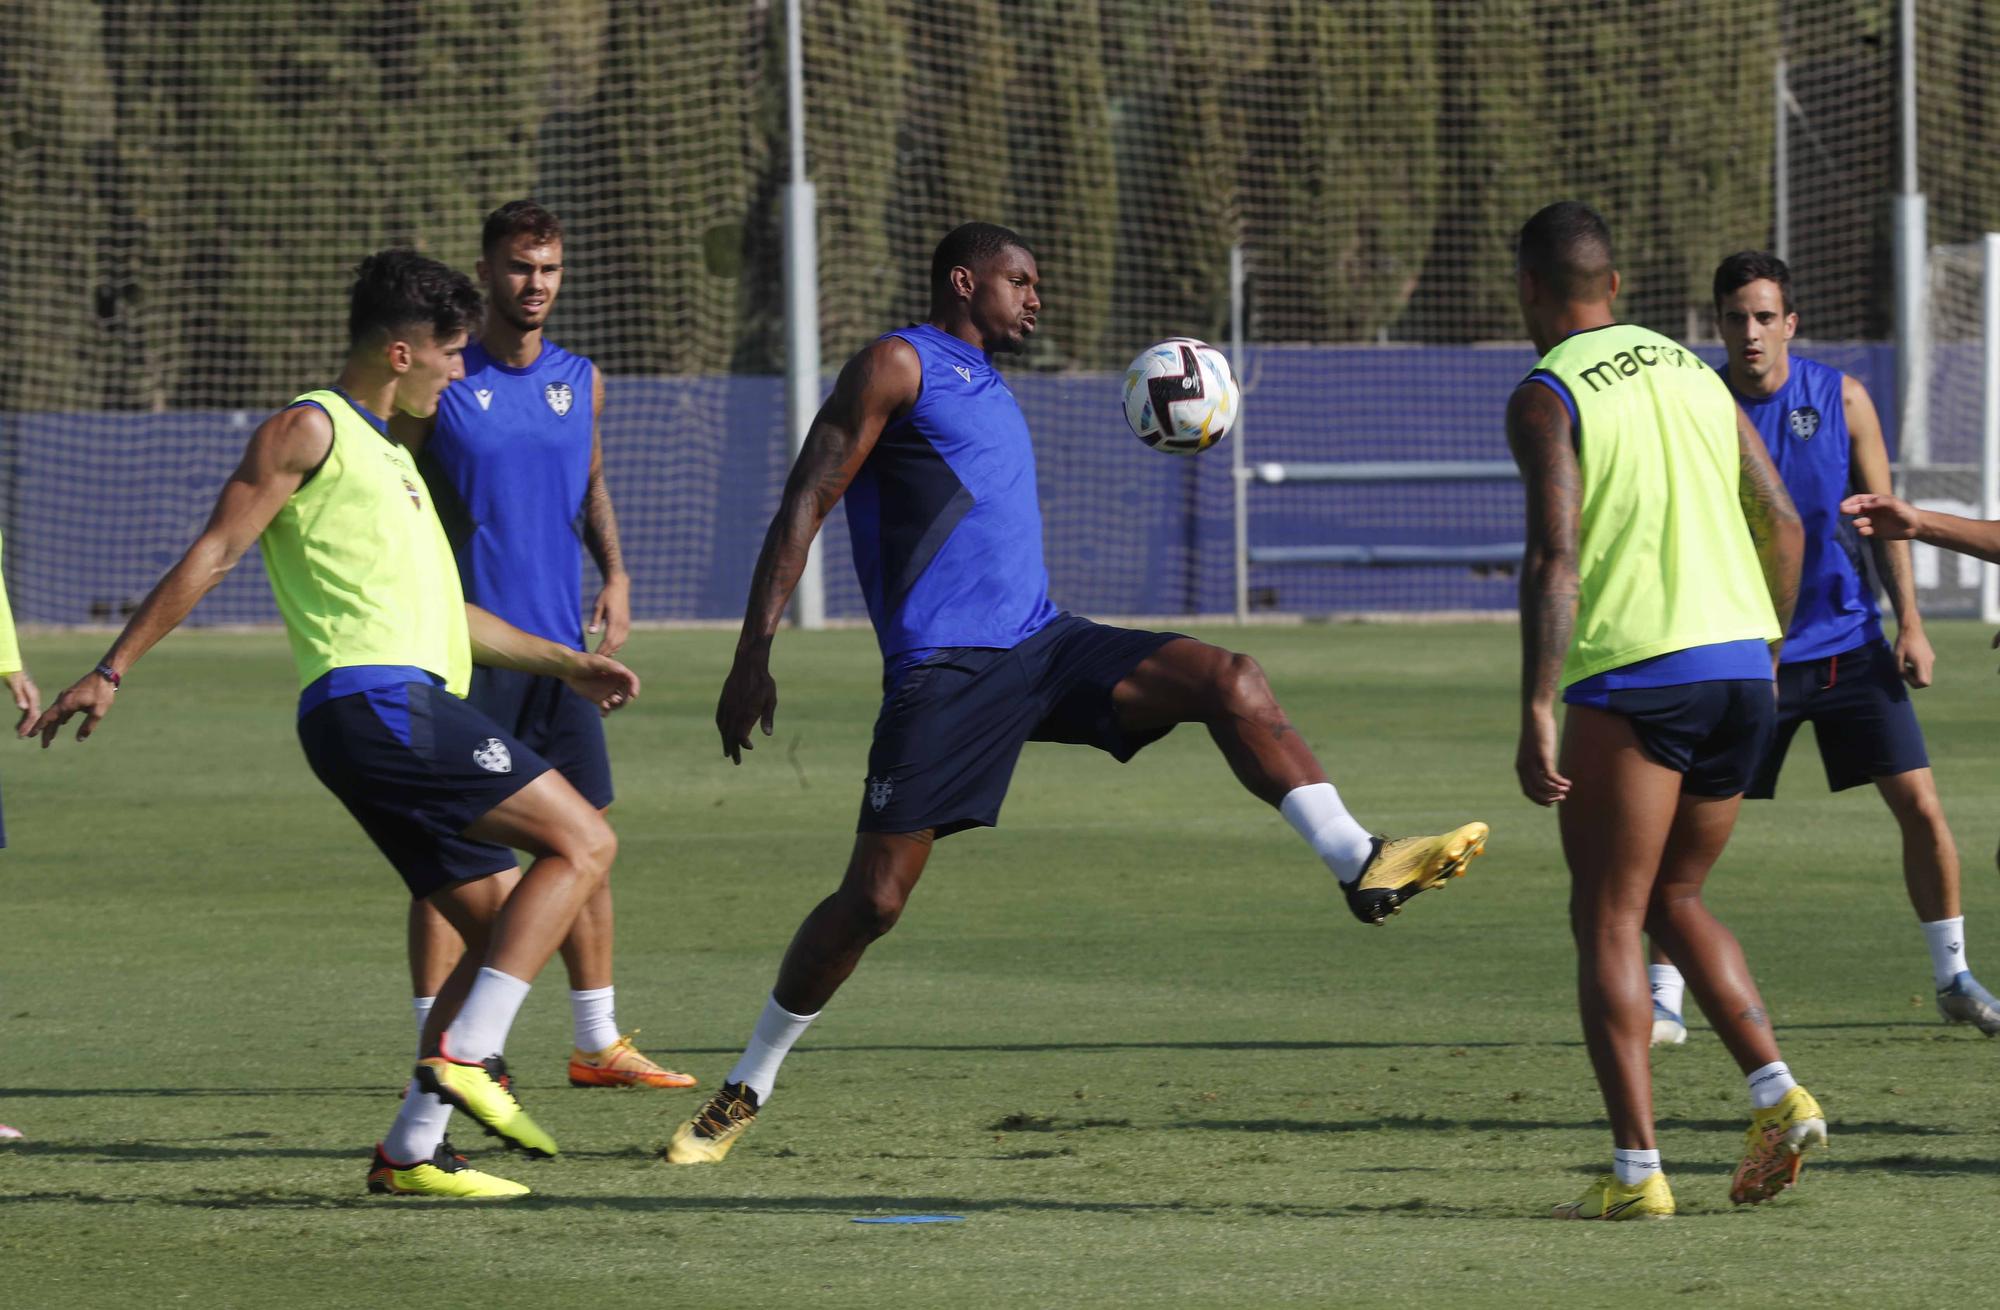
{"x":483,"y":1091}
{"x":707,"y":1137}
{"x":1612,"y":1200}
{"x":621,"y":1065}
{"x":1775,"y":1145}
{"x":1404,"y":866}
{"x":444,"y":1174}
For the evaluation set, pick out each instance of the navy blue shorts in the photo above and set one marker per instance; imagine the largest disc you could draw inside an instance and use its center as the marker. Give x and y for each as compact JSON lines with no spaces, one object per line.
{"x":417,"y":766}
{"x":1861,"y":715}
{"x":1711,"y":733}
{"x":551,"y":720}
{"x":950,"y":733}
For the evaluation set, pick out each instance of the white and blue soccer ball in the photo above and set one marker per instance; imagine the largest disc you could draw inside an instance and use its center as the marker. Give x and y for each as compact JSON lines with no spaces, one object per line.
{"x":1180,"y":396}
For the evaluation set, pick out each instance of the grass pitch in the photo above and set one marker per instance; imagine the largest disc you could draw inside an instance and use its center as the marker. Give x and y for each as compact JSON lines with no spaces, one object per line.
{"x":1132,"y":1035}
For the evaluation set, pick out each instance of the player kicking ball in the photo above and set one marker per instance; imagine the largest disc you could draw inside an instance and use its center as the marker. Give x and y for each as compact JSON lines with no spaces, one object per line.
{"x":924,"y":439}
{"x":1658,"y":616}
{"x":384,"y":644}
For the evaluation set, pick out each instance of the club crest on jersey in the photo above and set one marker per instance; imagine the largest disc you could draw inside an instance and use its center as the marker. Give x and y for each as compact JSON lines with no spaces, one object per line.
{"x":493,"y":756}
{"x":879,"y":790}
{"x":559,"y":396}
{"x":416,"y":498}
{"x":1803,"y":421}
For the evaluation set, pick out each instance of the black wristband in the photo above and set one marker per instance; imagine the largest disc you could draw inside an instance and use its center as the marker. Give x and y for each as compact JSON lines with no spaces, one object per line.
{"x":109,"y":674}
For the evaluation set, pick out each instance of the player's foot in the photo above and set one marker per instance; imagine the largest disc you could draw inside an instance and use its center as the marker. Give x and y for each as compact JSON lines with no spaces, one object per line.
{"x":483,"y":1091}
{"x":444,"y":1174}
{"x":1775,"y":1145}
{"x":707,"y":1137}
{"x":1668,"y":1028}
{"x":10,"y":1134}
{"x":1610,"y":1199}
{"x":1965,"y":1001}
{"x":621,"y":1065}
{"x":1403,"y":866}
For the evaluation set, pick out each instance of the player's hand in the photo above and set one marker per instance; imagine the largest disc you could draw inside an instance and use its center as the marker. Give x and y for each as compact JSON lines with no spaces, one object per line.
{"x":1887,"y":517}
{"x":27,"y":699}
{"x":1535,"y":761}
{"x":612,"y":615}
{"x":90,"y":696}
{"x":1914,"y":657}
{"x":602,"y":681}
{"x":748,"y":696}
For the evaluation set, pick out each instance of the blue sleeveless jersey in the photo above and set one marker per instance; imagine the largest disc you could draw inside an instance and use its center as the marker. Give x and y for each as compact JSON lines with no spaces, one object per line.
{"x":508,"y":461}
{"x":944,"y":515}
{"x":1805,"y":427}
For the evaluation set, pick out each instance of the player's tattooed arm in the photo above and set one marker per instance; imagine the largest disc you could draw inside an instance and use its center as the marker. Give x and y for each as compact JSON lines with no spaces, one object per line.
{"x":612,"y":613}
{"x":1539,"y":433}
{"x":1772,"y":519}
{"x":877,"y":386}
{"x":286,"y":449}
{"x":1869,"y":462}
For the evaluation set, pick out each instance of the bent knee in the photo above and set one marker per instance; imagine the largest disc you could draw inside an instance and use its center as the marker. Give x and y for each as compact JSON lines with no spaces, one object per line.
{"x":1240,"y":687}
{"x":873,"y":913}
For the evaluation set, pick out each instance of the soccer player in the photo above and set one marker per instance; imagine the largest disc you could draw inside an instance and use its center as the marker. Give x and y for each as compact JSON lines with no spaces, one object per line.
{"x":27,"y":699}
{"x":925,"y":439}
{"x":514,"y":460}
{"x":1647,"y":603}
{"x":1840,"y":674}
{"x":384,"y":643}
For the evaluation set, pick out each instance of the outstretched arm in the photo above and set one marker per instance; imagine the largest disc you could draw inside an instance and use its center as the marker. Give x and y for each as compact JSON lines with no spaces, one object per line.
{"x":878,"y":384}
{"x":1879,"y":517}
{"x":284,"y":449}
{"x":612,"y":614}
{"x":1773,"y":522}
{"x":1539,"y":433}
{"x":1870,"y":458}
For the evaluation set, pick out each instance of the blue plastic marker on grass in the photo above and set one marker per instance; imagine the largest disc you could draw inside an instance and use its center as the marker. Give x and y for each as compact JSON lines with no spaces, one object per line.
{"x":910,"y":1219}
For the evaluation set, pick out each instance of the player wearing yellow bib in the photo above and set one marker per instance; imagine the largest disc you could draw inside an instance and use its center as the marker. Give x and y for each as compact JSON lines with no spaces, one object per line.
{"x":1644,"y":598}
{"x":384,"y":644}
{"x":27,"y":700}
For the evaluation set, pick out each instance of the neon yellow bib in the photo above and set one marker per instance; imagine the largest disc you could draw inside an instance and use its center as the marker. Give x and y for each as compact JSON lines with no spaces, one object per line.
{"x":10,"y":649}
{"x":1665,"y":562}
{"x":360,"y":565}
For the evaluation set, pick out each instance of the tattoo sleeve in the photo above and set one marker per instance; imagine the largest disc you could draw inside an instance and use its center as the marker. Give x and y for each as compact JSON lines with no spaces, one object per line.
{"x":1772,"y":519}
{"x":600,"y":526}
{"x":1538,"y":432}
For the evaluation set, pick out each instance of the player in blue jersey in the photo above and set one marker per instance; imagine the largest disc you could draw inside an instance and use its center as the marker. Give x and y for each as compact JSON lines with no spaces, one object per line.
{"x":924,"y":439}
{"x":1840,"y":672}
{"x":514,"y":459}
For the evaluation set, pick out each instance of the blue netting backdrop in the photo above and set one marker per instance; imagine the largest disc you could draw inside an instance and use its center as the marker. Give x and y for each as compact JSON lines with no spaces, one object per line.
{"x":99,"y":505}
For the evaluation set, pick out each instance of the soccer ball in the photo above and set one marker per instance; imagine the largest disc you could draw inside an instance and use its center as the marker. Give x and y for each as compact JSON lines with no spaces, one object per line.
{"x":1180,"y":396}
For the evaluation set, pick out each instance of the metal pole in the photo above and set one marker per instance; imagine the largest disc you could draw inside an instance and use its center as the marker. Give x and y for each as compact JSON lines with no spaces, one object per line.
{"x":1912,"y":255}
{"x":1239,"y":470}
{"x":802,"y":379}
{"x":1989,"y":413}
{"x":1781,"y":164}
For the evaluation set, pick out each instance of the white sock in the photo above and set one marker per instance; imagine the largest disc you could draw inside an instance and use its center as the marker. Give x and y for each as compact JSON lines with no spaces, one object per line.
{"x":1633,"y":1167}
{"x":595,"y":1014}
{"x":480,"y":1027}
{"x":1946,"y":938}
{"x":1769,"y":1084}
{"x":1316,"y":813}
{"x":1669,"y":988}
{"x":419,"y":1128}
{"x":777,"y":1028}
{"x":421,"y":1007}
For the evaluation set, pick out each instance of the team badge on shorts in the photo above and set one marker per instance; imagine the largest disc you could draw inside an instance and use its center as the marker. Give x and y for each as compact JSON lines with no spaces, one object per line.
{"x":1803,"y":421}
{"x":493,"y":756}
{"x":559,"y":396}
{"x":878,"y":793}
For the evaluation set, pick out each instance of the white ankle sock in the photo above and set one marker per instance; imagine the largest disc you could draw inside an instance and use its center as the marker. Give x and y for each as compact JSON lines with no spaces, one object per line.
{"x":777,"y":1028}
{"x":413,"y":1139}
{"x":1633,"y":1167}
{"x":1669,"y":988}
{"x":1315,"y":811}
{"x":480,"y":1027}
{"x":595,"y":1015}
{"x":1769,"y":1084}
{"x":1946,"y":938}
{"x":421,"y":1007}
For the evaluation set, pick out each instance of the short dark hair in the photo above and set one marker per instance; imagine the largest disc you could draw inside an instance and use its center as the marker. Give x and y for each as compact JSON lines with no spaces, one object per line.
{"x":966,"y":245}
{"x":1567,"y":246}
{"x":517,"y":217}
{"x":399,"y":289}
{"x":1747,"y":266}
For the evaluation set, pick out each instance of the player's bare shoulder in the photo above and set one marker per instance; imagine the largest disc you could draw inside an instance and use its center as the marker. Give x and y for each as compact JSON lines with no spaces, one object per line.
{"x":883,"y":380}
{"x":296,"y":439}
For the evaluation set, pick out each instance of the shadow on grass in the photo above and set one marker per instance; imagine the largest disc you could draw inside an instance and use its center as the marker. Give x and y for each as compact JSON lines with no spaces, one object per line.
{"x":1438,"y":1124}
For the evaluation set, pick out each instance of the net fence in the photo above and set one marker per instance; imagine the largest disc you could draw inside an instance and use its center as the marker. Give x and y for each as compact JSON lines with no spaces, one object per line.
{"x":188,"y":182}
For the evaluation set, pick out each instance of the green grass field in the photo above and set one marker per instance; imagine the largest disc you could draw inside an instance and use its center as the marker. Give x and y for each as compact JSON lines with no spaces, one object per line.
{"x":1132,"y":1035}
